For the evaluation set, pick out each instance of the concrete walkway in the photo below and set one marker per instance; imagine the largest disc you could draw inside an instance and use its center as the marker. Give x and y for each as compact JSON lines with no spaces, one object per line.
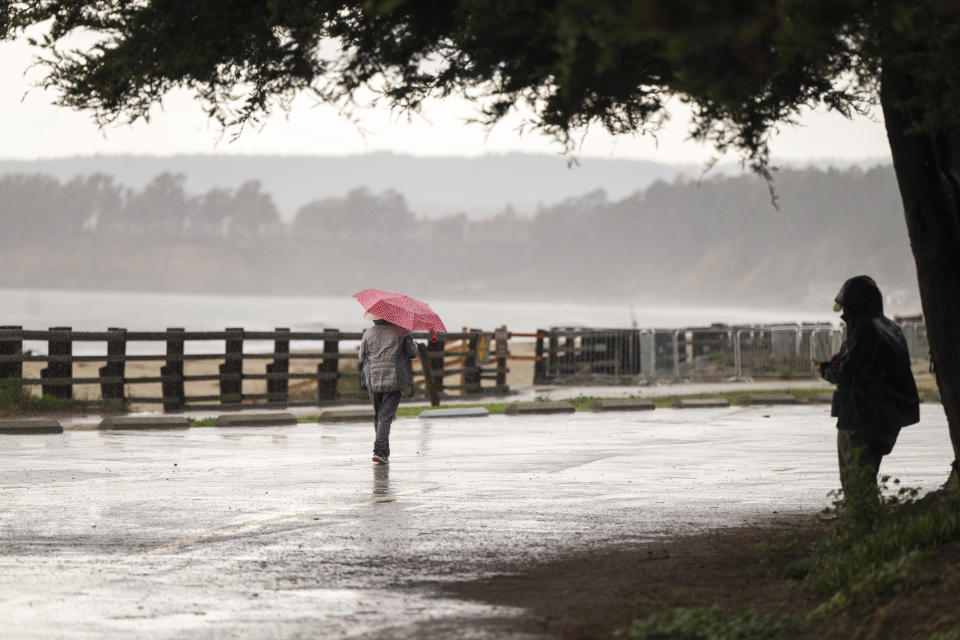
{"x":287,"y":532}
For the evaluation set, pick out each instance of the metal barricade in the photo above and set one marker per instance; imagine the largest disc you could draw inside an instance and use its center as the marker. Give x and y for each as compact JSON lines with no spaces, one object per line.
{"x":783,"y":351}
{"x":576,"y":354}
{"x":916,"y":336}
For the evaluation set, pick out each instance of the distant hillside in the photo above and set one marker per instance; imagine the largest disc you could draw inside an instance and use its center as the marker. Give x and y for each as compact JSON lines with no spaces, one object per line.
{"x":433,"y":186}
{"x":717,"y":240}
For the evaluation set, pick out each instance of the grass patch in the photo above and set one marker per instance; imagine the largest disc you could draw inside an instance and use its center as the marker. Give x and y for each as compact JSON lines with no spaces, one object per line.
{"x":785,"y":557}
{"x":880,"y":543}
{"x":15,"y":400}
{"x":929,"y":394}
{"x":713,"y":623}
{"x":492,"y":407}
{"x":581,"y":402}
{"x":202,"y":422}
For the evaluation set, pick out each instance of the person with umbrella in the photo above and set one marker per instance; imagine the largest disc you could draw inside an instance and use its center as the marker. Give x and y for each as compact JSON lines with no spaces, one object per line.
{"x":386,"y":352}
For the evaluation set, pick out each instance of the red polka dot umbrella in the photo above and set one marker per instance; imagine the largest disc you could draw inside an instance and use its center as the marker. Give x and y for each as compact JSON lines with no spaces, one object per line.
{"x":400,"y":310}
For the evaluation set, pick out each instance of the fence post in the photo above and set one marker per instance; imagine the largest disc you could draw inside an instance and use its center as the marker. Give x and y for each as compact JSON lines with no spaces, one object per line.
{"x":539,"y":366}
{"x":676,"y":354}
{"x":501,"y":336}
{"x":116,"y":365}
{"x":174,"y":396}
{"x":569,"y":346}
{"x":813,"y":349}
{"x":798,"y":341}
{"x":12,"y":346}
{"x":620,"y":353}
{"x":737,"y":355}
{"x":636,"y":351}
{"x":591,"y":345}
{"x":471,"y":365}
{"x":429,"y":382}
{"x":59,"y":344}
{"x":231,"y":371}
{"x":328,"y":370}
{"x":436,"y":350}
{"x":552,"y":347}
{"x":277,"y":381}
{"x":648,"y":354}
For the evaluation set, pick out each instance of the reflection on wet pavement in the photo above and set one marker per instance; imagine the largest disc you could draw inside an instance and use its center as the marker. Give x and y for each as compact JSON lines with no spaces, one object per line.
{"x":294,"y":532}
{"x":381,"y":481}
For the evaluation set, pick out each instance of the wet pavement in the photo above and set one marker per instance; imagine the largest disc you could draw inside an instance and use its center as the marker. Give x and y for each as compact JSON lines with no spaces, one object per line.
{"x":290,"y":531}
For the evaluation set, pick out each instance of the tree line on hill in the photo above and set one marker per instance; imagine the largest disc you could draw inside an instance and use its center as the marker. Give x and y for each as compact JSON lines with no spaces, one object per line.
{"x":719,"y":239}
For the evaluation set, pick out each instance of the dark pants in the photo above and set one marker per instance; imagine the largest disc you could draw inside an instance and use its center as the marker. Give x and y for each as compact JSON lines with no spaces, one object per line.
{"x":860,"y":453}
{"x":384,"y":408}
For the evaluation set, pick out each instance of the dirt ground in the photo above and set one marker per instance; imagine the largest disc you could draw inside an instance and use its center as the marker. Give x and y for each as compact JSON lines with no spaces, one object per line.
{"x":593,"y":594}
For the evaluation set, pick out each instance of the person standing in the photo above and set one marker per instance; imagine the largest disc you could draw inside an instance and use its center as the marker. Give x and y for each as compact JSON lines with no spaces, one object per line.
{"x":876,"y":394}
{"x":386,"y":351}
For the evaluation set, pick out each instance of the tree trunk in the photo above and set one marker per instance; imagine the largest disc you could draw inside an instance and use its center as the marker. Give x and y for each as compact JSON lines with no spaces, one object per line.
{"x":927,"y":166}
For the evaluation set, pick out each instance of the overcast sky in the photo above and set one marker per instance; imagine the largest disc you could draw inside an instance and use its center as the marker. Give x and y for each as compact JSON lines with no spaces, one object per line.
{"x":30,"y":127}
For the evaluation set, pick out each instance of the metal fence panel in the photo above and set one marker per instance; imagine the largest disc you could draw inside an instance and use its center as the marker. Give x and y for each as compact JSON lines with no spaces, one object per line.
{"x":718,"y":352}
{"x":916,"y":335}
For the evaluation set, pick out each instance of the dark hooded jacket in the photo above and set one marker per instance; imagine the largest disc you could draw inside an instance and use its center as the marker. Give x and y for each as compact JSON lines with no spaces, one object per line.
{"x":876,"y":391}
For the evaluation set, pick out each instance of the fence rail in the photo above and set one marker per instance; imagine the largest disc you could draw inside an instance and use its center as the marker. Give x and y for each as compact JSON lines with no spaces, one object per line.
{"x":463,"y":363}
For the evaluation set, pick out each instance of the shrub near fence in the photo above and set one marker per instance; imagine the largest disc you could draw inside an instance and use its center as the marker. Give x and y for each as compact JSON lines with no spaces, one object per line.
{"x":176,"y":379}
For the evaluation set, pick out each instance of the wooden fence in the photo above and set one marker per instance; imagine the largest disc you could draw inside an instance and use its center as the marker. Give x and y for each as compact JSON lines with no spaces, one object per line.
{"x":476,"y":360}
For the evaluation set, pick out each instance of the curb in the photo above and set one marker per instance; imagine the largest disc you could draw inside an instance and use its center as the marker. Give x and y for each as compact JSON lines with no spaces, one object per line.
{"x":25,"y":426}
{"x":151,"y":422}
{"x":255,"y":420}
{"x":470,"y":412}
{"x":346,"y":415}
{"x":701,"y":403}
{"x":623,"y":404}
{"x":538,"y":408}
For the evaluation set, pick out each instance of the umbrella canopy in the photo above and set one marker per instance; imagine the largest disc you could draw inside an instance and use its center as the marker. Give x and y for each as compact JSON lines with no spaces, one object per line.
{"x":400,"y":310}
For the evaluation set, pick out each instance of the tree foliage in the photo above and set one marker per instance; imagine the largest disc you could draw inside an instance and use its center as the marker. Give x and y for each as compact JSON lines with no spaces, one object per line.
{"x":38,"y":207}
{"x":744,"y":66}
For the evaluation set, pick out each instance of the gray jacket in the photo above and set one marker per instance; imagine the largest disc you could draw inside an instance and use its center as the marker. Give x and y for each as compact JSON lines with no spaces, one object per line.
{"x":385,"y":354}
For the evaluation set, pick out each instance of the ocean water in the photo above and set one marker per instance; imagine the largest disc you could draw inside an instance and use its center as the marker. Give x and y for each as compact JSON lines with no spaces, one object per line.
{"x":38,"y":309}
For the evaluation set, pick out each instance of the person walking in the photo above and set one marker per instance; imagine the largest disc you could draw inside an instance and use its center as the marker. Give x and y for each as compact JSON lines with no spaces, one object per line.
{"x":386,"y":351}
{"x":876,"y":394}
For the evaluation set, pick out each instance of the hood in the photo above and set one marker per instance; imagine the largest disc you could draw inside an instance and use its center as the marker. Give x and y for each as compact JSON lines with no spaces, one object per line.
{"x":860,"y":297}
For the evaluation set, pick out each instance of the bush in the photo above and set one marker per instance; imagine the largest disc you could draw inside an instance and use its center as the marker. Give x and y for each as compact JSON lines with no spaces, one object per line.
{"x":878,"y":546}
{"x":16,"y":400}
